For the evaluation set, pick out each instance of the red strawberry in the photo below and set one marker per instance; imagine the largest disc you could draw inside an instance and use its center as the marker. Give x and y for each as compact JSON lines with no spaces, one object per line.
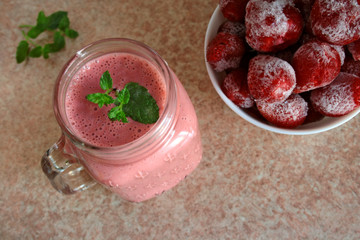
{"x":338,"y":98}
{"x":354,"y":49}
{"x":316,"y":64}
{"x":336,"y":21}
{"x":305,"y":38}
{"x":270,"y":79}
{"x":236,"y":89}
{"x":272,"y":25}
{"x":225,"y":51}
{"x":233,"y":10}
{"x":288,"y":114}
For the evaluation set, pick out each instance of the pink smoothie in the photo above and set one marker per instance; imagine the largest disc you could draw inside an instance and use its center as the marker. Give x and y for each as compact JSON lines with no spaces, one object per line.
{"x":155,"y":172}
{"x":90,"y":122}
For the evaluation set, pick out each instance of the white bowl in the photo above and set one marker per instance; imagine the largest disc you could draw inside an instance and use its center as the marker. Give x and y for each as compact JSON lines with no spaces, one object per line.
{"x":216,"y":78}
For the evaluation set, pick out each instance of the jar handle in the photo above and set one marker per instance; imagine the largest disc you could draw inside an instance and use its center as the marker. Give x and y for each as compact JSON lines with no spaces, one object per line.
{"x":64,"y":171}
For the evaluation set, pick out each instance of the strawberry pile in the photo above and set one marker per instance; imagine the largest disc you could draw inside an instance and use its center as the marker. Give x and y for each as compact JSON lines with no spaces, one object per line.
{"x":293,"y":61}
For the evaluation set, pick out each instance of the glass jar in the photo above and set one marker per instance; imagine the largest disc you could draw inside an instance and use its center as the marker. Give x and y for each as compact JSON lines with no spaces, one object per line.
{"x":140,"y":169}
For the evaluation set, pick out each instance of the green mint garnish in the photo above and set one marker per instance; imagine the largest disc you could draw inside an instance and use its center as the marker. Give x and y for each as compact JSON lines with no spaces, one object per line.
{"x":100,"y":98}
{"x":58,"y":23}
{"x":132,"y":101}
{"x":142,"y":106}
{"x":22,"y":51}
{"x":106,"y":81}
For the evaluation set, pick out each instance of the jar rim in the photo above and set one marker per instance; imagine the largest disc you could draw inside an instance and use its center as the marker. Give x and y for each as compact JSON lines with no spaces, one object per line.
{"x":156,"y":133}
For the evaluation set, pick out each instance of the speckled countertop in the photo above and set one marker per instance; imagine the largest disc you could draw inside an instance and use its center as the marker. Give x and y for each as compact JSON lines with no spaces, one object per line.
{"x":251,"y":183}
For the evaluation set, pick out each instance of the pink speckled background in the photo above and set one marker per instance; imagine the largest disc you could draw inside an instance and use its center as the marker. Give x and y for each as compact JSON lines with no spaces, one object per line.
{"x":251,"y":184}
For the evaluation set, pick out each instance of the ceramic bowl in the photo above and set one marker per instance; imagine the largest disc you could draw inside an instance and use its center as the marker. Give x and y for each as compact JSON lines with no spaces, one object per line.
{"x":216,"y":78}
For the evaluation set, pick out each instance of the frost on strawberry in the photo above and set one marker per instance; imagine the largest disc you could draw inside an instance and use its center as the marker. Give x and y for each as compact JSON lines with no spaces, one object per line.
{"x":338,"y":98}
{"x":336,"y":21}
{"x":316,"y":64}
{"x":272,"y":25}
{"x":225,"y":51}
{"x":236,"y":28}
{"x":270,"y":79}
{"x":235,"y":87}
{"x":233,"y":10}
{"x":288,"y":114}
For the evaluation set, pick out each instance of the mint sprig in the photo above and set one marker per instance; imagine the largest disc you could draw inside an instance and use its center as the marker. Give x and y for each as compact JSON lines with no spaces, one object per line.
{"x":58,"y":23}
{"x":100,"y":98}
{"x":132,"y":101}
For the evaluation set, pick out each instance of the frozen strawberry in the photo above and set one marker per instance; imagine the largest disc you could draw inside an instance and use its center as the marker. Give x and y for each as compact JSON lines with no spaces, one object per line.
{"x":233,"y":10}
{"x":316,"y":64}
{"x":351,"y":66}
{"x":272,"y":25}
{"x":225,"y":51}
{"x":336,"y":21}
{"x":270,"y":79}
{"x":236,"y":89}
{"x":354,"y":49}
{"x":306,"y":38}
{"x":288,"y":114}
{"x":236,"y":28}
{"x":338,"y":98}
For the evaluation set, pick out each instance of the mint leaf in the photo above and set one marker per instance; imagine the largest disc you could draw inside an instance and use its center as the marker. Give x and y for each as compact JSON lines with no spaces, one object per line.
{"x":41,"y":25}
{"x":123,"y":97}
{"x":71,"y":33}
{"x":59,"y":42}
{"x":106,"y":81}
{"x":22,"y":51}
{"x":116,"y":113}
{"x":42,"y":21}
{"x":64,"y":23}
{"x":142,"y":106}
{"x":100,"y":98}
{"x":34,"y":32}
{"x":54,"y":19}
{"x":36,"y":52}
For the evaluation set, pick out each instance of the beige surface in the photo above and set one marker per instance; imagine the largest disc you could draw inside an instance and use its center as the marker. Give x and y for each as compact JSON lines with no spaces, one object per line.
{"x":251,"y":184}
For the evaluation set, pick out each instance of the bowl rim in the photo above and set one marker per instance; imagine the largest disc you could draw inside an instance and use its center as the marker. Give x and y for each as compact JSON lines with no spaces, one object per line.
{"x":310,"y":128}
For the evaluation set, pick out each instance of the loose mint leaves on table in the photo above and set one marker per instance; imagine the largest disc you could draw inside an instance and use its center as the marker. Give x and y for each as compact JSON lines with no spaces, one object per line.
{"x":57,"y":23}
{"x":132,"y":101}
